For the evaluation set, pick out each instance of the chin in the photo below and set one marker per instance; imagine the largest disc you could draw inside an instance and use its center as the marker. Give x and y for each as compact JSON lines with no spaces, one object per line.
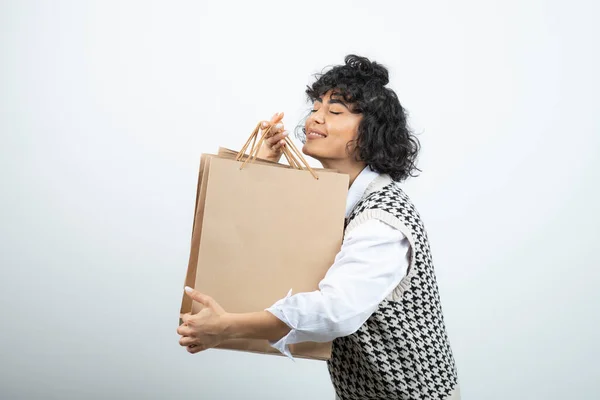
{"x":306,"y":149}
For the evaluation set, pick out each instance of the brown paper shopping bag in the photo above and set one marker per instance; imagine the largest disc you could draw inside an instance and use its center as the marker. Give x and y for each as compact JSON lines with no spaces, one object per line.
{"x":199,"y":212}
{"x":261,"y":229}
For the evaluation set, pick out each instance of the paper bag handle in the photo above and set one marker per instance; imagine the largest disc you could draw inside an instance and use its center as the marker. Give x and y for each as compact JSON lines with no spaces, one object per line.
{"x":293,"y":156}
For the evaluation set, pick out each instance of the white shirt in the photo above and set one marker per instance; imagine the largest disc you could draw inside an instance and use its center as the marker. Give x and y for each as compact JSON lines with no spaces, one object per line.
{"x":372,"y":261}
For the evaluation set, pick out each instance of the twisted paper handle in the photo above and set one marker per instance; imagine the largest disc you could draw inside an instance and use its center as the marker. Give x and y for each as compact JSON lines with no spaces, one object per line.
{"x":293,"y":156}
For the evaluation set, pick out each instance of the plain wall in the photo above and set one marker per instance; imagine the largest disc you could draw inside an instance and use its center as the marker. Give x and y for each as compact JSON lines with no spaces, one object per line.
{"x":105,"y":107}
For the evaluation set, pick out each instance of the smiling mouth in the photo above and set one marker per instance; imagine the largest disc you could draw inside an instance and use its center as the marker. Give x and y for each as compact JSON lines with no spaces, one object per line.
{"x":315,"y":135}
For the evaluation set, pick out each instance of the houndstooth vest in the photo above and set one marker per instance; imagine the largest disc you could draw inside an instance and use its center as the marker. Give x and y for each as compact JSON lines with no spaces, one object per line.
{"x":402,"y":351}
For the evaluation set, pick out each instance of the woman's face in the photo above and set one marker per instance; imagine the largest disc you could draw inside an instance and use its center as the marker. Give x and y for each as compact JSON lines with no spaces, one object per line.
{"x":329,"y":129}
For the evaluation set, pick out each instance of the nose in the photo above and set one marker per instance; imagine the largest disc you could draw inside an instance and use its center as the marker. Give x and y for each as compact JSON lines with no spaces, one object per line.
{"x":318,"y":116}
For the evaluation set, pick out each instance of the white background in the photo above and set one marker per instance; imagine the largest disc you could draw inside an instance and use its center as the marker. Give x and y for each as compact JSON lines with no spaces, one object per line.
{"x":105,"y":107}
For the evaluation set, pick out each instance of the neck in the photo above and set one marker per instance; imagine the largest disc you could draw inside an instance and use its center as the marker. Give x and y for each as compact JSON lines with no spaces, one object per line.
{"x":352,"y":169}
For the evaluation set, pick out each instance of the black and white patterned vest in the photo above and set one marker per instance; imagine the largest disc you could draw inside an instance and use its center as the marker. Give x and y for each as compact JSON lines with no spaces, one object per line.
{"x":402,"y":350}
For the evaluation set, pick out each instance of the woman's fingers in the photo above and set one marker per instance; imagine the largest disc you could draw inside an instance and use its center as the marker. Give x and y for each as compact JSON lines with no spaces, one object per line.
{"x":276,"y":141}
{"x":186,"y":341}
{"x":184,"y":330}
{"x":193,"y":349}
{"x":273,"y":129}
{"x":276,"y":129}
{"x":274,"y":138}
{"x":266,"y":124}
{"x":278,"y":146}
{"x":277,"y":117}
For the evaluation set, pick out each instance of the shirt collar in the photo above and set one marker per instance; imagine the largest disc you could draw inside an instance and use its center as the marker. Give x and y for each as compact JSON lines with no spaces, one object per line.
{"x":358,"y":188}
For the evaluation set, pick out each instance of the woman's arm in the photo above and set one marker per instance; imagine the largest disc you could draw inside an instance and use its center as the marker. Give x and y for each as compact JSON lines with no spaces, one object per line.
{"x":371,"y":263}
{"x":257,"y":325}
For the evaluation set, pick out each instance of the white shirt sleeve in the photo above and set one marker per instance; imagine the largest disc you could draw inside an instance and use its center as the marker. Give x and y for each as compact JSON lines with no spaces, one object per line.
{"x":371,"y":263}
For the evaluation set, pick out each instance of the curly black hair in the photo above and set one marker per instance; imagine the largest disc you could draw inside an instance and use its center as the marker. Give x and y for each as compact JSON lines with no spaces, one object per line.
{"x":384,"y":141}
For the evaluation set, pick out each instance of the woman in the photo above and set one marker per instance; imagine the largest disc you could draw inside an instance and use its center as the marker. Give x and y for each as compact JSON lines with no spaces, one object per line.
{"x":379,"y":301}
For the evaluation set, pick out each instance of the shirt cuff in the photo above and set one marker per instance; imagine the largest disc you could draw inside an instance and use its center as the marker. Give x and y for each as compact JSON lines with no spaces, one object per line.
{"x":283,"y":344}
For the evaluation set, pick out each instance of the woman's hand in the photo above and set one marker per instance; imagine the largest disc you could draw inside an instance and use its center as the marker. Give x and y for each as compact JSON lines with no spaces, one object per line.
{"x":272,"y":147}
{"x":212,"y":325}
{"x":205,"y":329}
